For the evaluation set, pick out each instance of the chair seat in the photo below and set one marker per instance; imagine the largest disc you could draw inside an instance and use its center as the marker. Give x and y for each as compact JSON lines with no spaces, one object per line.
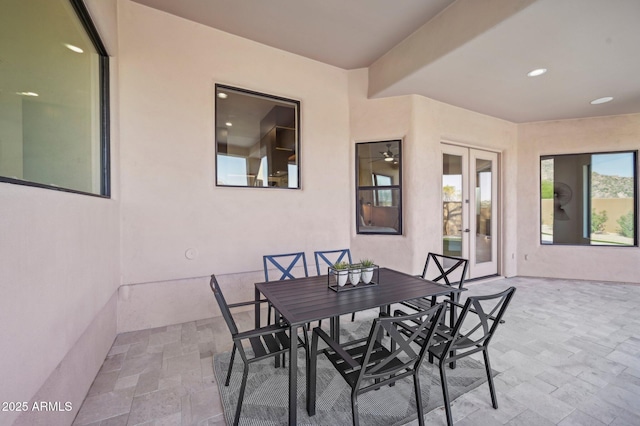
{"x":420,"y":304}
{"x":351,"y":374}
{"x":269,"y":344}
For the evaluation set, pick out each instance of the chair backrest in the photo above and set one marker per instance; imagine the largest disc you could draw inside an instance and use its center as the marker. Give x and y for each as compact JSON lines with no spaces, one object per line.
{"x":473,"y":328}
{"x":443,"y":269}
{"x":285,"y":266}
{"x":222,"y":304}
{"x":404,"y":354}
{"x":327,"y":258}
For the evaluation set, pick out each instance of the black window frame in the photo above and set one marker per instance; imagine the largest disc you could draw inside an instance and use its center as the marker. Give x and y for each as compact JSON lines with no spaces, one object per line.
{"x":104,"y":111}
{"x":359,"y":188}
{"x":298,"y":112}
{"x":590,"y":207}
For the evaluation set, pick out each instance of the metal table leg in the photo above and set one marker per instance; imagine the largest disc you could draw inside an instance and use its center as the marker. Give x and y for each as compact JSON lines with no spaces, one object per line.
{"x":257,"y":309}
{"x":293,"y":375}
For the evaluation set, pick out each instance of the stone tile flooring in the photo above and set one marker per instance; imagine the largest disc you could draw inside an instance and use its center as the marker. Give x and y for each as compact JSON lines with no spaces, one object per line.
{"x":568,"y":354}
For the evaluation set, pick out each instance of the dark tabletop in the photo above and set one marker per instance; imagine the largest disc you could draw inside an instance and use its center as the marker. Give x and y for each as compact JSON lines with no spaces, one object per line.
{"x":303,"y":300}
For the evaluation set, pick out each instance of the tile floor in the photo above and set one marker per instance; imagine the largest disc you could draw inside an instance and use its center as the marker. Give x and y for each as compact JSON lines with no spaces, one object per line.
{"x":568,"y":354}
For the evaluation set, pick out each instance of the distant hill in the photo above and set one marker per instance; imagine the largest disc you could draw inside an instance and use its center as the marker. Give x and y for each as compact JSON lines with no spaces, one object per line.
{"x":602,"y":186}
{"x":605,"y":186}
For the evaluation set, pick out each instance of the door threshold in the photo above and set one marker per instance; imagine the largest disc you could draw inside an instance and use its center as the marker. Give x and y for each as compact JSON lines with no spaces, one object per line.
{"x":485,"y":279}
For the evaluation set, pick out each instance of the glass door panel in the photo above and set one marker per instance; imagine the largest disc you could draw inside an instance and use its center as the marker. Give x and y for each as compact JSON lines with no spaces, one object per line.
{"x":469,"y":208}
{"x":484,"y":210}
{"x":452,"y":205}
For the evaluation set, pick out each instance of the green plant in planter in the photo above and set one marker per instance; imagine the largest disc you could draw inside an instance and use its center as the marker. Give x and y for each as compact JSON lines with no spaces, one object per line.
{"x":355,"y":272}
{"x":342,"y":272}
{"x":366,"y":263}
{"x":367,"y":270}
{"x":339,"y":266}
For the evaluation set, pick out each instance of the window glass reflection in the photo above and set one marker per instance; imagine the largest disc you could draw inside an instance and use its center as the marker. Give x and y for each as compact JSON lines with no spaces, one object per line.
{"x":379,"y":187}
{"x":589,"y":199}
{"x":257,"y":139}
{"x":53,"y":97}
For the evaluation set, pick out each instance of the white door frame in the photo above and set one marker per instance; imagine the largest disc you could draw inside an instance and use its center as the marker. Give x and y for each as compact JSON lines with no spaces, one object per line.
{"x":476,"y":246}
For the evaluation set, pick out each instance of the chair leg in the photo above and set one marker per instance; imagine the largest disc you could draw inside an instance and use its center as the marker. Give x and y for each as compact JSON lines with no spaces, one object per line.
{"x":354,"y":408}
{"x":353,"y":317}
{"x":445,"y":392}
{"x":245,"y":374}
{"x":492,"y":389}
{"x":233,"y":356}
{"x":416,"y":384}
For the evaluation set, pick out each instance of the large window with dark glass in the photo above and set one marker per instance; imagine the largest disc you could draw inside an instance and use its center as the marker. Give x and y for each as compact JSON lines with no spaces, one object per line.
{"x":257,"y":139}
{"x":379,"y":187}
{"x":589,"y":199}
{"x":53,"y":97}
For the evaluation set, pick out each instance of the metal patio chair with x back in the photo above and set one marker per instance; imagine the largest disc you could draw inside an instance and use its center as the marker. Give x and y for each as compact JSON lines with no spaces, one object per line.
{"x":371,"y":363}
{"x":278,"y":267}
{"x":327,"y":258}
{"x":477,"y":322}
{"x":443,"y":269}
{"x":265,"y":342}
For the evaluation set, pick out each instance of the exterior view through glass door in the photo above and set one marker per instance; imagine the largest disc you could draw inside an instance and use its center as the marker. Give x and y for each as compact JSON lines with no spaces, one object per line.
{"x":470,"y":208}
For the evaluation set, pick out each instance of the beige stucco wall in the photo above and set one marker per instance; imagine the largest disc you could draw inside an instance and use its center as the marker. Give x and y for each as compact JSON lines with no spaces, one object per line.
{"x":564,"y":137}
{"x":424,"y":124}
{"x":59,"y":273}
{"x":169,"y":200}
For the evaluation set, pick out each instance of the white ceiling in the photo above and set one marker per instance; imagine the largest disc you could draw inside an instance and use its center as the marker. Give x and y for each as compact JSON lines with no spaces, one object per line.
{"x":470,"y":53}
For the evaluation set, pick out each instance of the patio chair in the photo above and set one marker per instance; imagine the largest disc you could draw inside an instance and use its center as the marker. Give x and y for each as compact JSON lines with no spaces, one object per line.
{"x":367,"y":364}
{"x":471,"y":333}
{"x":266,"y":342}
{"x":443,"y":269}
{"x":287,"y":266}
{"x":327,"y":258}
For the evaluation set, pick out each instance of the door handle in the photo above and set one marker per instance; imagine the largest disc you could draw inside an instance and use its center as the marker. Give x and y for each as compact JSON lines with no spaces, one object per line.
{"x":467,"y":230}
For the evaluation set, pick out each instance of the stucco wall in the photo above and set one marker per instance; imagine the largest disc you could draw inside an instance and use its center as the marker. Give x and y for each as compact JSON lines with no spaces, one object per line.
{"x":570,"y":137}
{"x":424,"y":124}
{"x":169,"y":199}
{"x":59,"y":257}
{"x":59,"y":273}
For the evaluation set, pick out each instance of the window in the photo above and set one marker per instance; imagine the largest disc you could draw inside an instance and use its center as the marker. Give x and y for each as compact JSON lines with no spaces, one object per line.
{"x":589,"y":199}
{"x":382,"y":198}
{"x":257,"y":139}
{"x":53,"y":97}
{"x":379,"y":187}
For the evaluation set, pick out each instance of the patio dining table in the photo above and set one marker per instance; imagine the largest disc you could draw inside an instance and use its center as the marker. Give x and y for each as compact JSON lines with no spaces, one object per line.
{"x":303,"y":300}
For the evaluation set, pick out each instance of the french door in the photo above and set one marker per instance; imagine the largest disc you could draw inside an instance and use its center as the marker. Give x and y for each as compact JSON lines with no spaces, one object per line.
{"x":470,"y":208}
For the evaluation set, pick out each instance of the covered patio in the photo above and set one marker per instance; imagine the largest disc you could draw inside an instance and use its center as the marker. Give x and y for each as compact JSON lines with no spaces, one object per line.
{"x":107,"y":316}
{"x":568,"y":354}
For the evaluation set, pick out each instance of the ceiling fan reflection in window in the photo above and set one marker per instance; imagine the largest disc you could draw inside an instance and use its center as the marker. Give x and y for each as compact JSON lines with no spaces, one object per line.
{"x":389,"y":156}
{"x":385,"y":154}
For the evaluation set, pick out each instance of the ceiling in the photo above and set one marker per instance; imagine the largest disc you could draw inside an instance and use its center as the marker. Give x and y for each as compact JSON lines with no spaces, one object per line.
{"x":474,"y":54}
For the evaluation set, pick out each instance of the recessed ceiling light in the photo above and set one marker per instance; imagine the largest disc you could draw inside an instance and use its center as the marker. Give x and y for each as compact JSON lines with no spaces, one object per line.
{"x":26,"y":93}
{"x":602,"y":100}
{"x":229,"y":124}
{"x":537,"y":72}
{"x":222,"y":95}
{"x":73,"y":48}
